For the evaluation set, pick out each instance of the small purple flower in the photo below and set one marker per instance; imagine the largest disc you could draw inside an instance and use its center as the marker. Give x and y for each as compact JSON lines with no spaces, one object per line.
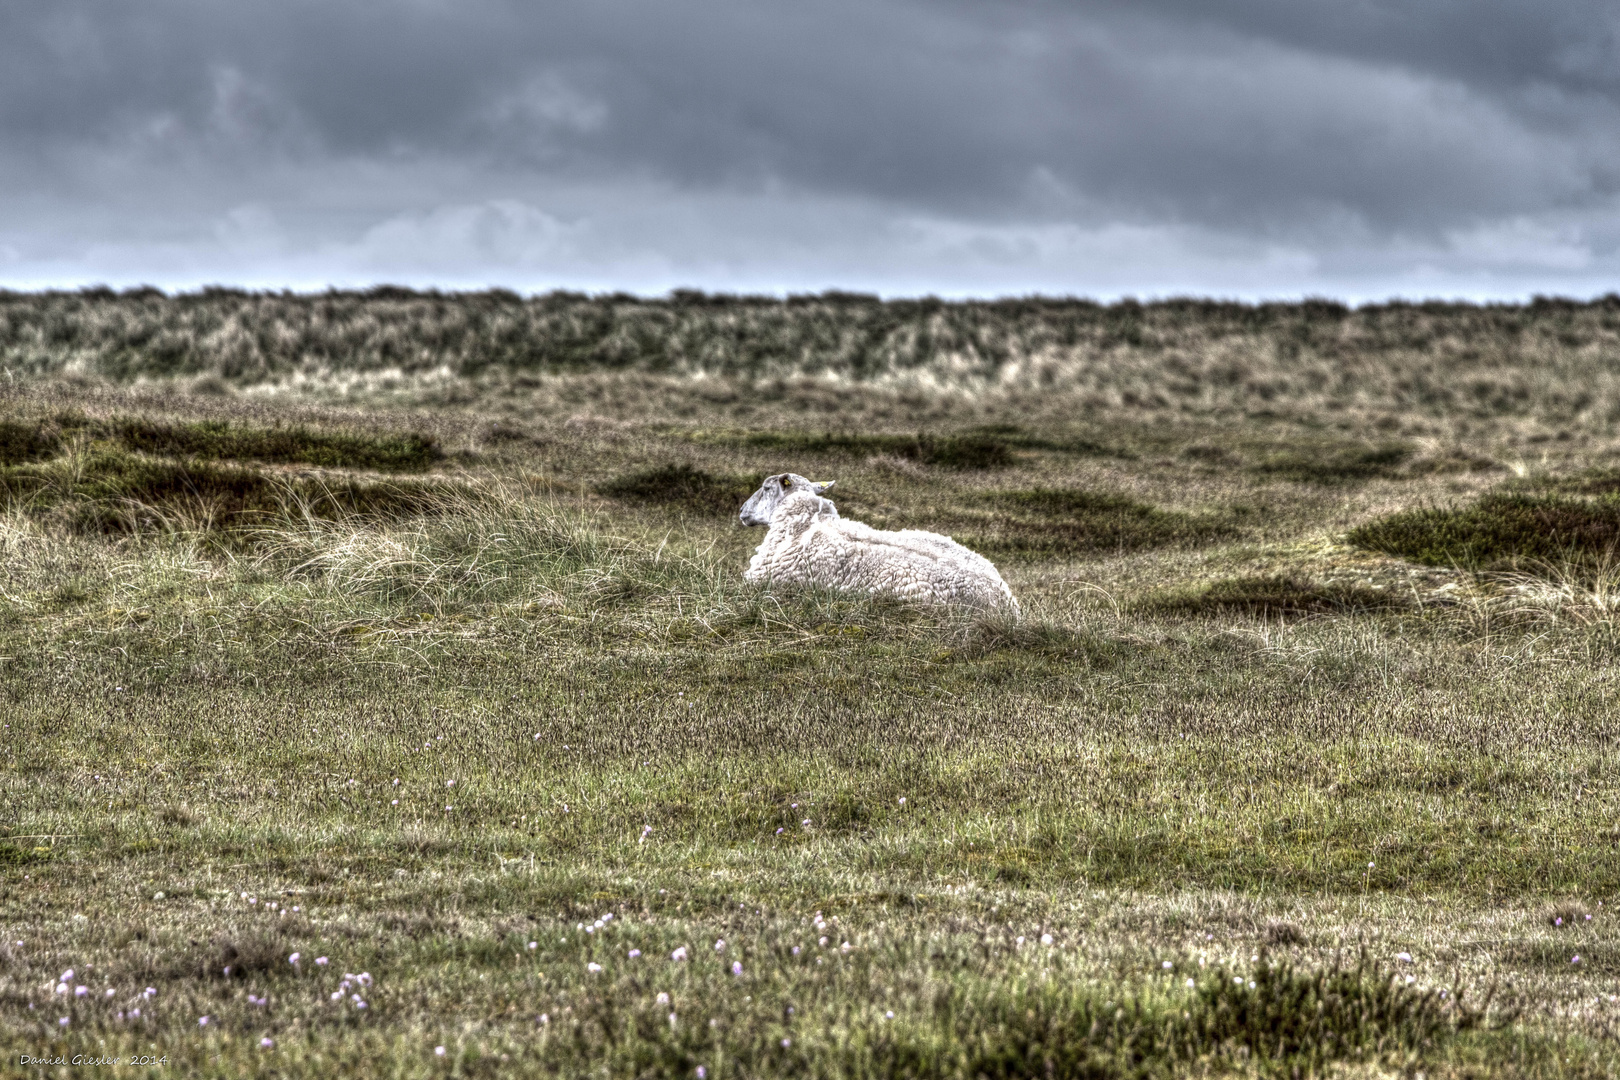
{"x":634,"y":953}
{"x":736,"y":967}
{"x":266,"y":1043}
{"x":321,"y":961}
{"x":202,"y":1021}
{"x":64,"y":1021}
{"x":293,"y":959}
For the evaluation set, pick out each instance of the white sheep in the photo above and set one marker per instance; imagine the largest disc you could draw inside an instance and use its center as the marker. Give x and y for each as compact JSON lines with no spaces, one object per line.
{"x":809,"y":544}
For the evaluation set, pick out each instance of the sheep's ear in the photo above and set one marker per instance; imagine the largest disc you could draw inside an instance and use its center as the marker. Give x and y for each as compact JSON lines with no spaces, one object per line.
{"x":822,"y":485}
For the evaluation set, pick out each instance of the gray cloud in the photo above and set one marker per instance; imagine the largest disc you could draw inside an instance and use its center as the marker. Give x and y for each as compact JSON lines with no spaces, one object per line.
{"x":1247,"y":145}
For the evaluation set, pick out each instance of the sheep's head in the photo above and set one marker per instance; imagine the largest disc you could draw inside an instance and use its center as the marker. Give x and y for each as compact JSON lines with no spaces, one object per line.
{"x":761,"y":505}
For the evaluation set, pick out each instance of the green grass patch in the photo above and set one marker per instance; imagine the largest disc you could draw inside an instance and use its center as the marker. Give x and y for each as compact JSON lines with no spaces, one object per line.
{"x":22,"y":441}
{"x":219,"y":440}
{"x":967,"y":451}
{"x":292,"y":445}
{"x":1057,"y":522}
{"x":682,"y":486}
{"x":1501,"y":531}
{"x":1336,"y":464}
{"x":1274,"y":594}
{"x":110,"y":491}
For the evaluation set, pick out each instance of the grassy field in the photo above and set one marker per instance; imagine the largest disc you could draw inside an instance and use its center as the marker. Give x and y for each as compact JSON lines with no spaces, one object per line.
{"x":384,"y":711}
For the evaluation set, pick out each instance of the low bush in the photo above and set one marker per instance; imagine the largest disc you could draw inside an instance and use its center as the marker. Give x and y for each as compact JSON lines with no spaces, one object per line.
{"x":1052,"y":522}
{"x":1502,"y":530}
{"x":684,"y":487}
{"x":1336,"y":464}
{"x":1279,"y":594}
{"x":969,"y":451}
{"x":293,"y":445}
{"x":110,"y":491}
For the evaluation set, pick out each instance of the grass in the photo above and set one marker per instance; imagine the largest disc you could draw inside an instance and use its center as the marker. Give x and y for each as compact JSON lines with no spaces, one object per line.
{"x":1337,"y":464}
{"x":682,"y":486}
{"x":961,"y":451}
{"x":110,"y":491}
{"x":221,"y":440}
{"x":258,"y":704}
{"x":1055,"y":522}
{"x":1501,"y":531}
{"x":1278,"y":595}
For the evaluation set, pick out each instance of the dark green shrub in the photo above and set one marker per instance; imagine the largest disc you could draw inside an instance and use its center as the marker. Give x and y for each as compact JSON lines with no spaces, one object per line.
{"x":1276,"y":595}
{"x":21,"y":441}
{"x":1337,"y":464}
{"x":218,"y":440}
{"x":971,"y":451}
{"x":1502,"y":530}
{"x":684,"y":487}
{"x":1069,"y":522}
{"x":115,"y":492}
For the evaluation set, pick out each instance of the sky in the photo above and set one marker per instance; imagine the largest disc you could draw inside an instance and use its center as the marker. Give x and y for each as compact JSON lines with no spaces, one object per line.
{"x":1356,"y":149}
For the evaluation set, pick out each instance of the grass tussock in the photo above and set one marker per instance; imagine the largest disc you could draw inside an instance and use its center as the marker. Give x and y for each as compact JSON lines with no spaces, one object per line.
{"x":1277,"y":595}
{"x":1066,"y":522}
{"x":966,"y":451}
{"x":684,"y":487}
{"x":1501,"y":531}
{"x":43,"y":438}
{"x":111,"y":491}
{"x":22,"y":442}
{"x":1336,"y":464}
{"x":296,"y":445}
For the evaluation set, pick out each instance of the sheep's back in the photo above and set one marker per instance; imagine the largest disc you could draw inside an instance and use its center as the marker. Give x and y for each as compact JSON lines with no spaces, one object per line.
{"x":910,"y":563}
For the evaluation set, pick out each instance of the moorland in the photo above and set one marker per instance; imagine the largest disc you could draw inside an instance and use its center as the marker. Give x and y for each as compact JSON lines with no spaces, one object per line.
{"x":381,"y":694}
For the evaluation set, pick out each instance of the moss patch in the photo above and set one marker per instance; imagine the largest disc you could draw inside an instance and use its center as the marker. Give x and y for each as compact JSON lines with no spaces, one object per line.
{"x":1503,"y":530}
{"x":295,"y":445}
{"x":970,"y":451}
{"x":1274,"y":595}
{"x":1336,"y":464}
{"x":684,"y":487}
{"x":109,"y":491}
{"x":1048,"y":521}
{"x":20,"y":441}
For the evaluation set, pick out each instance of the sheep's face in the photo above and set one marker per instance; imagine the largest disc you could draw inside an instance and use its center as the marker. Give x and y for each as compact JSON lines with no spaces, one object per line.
{"x":761,"y":505}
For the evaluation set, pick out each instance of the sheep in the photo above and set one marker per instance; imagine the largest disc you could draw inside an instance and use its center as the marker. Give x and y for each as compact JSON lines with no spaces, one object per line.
{"x":808,"y":543}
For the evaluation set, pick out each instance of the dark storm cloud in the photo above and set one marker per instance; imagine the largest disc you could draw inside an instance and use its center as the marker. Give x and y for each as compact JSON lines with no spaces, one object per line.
{"x":1321,"y":127}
